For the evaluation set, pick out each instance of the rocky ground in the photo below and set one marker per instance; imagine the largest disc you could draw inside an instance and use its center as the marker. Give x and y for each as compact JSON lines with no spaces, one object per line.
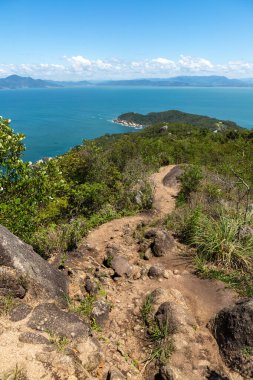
{"x":125,"y":305}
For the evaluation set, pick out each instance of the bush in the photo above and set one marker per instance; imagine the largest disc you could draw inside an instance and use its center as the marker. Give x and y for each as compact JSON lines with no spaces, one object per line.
{"x":55,"y":239}
{"x":219,"y":241}
{"x":190,"y":179}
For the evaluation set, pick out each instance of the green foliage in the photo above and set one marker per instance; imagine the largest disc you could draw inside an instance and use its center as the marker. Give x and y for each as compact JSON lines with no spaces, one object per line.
{"x":58,"y":238}
{"x":190,"y":181}
{"x":159,"y":334}
{"x":146,"y":308}
{"x":53,"y":204}
{"x":7,"y":303}
{"x":15,"y":374}
{"x":174,"y":116}
{"x":60,"y":342}
{"x":218,"y":240}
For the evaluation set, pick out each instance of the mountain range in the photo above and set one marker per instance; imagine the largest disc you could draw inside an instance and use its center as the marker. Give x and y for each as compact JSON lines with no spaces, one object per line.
{"x":18,"y":82}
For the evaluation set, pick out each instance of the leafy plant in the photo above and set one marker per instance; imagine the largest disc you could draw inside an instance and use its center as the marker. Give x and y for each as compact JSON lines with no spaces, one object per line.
{"x":60,"y":342}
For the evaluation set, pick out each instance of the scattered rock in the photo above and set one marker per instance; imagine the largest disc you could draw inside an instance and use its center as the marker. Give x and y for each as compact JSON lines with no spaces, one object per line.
{"x":90,"y":354}
{"x":120,"y":266}
{"x":171,"y":179}
{"x":32,"y":338}
{"x":155,"y":272}
{"x":150,"y":234}
{"x":167,"y":274}
{"x":148,"y":254}
{"x":233,"y":330}
{"x":115,"y":374}
{"x":165,"y":373}
{"x":100,"y":312}
{"x":165,"y":317}
{"x":43,"y":279}
{"x":20,"y":312}
{"x":163,"y":243}
{"x":48,"y":317}
{"x":213,"y":375}
{"x":91,"y":286}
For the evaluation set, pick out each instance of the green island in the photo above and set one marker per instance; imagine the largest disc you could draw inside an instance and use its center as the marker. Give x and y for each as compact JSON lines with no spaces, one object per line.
{"x":174,"y":116}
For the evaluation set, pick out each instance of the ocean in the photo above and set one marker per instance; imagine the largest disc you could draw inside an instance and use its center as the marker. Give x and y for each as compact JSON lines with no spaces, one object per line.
{"x":54,"y":120}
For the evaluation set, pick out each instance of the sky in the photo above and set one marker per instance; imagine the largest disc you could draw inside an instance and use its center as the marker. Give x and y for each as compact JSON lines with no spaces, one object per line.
{"x":124,"y":39}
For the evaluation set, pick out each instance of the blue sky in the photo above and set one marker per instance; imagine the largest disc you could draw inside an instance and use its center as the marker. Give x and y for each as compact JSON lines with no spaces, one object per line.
{"x":102,"y":39}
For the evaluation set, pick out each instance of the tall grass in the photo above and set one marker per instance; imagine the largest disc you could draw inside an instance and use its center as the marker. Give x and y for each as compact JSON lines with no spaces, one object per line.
{"x":218,"y":240}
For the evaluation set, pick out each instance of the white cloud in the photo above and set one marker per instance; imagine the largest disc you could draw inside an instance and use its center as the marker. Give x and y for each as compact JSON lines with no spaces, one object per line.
{"x":195,"y":64}
{"x":80,"y":67}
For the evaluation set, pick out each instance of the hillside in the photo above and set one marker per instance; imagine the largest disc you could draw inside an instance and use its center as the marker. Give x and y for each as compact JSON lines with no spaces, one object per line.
{"x":142,"y":253}
{"x":18,"y":82}
{"x":173,"y":116}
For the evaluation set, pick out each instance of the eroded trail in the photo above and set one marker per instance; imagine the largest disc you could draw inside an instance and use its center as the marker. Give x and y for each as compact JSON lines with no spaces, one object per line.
{"x":49,"y":341}
{"x":196,"y":301}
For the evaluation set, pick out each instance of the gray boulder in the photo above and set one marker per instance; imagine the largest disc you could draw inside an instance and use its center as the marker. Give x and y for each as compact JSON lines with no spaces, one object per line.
{"x":155,"y":272}
{"x":31,"y":338}
{"x":163,"y":243}
{"x":121,"y":266}
{"x":11,"y":283}
{"x":43,"y":280}
{"x":172,"y":178}
{"x":48,"y":317}
{"x":100,"y":312}
{"x":233,"y":330}
{"x":20,"y":312}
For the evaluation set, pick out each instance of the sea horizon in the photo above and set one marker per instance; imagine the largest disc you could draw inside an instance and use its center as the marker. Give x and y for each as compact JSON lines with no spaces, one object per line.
{"x":56,"y":119}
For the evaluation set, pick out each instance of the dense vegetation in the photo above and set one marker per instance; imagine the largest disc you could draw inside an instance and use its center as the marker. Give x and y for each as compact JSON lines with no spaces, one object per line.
{"x":53,"y":204}
{"x":174,"y":116}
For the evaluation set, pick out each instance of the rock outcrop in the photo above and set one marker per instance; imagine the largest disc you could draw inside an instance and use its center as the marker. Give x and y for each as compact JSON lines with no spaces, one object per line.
{"x":233,"y":330}
{"x":22,"y":269}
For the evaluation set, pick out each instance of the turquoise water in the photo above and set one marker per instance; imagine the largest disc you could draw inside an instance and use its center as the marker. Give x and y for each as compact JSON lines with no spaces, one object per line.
{"x":54,"y":120}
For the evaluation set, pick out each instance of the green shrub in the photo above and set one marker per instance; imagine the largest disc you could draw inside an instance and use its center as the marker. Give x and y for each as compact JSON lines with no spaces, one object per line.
{"x":190,"y":179}
{"x":218,"y":241}
{"x":59,"y":238}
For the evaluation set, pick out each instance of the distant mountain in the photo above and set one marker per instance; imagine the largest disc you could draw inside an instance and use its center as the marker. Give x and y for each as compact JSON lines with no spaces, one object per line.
{"x":184,"y":81}
{"x":133,"y":119}
{"x":82,"y":83}
{"x":16,"y":82}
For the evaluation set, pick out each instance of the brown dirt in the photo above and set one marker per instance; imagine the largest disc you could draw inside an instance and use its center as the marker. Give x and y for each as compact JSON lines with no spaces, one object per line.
{"x":126,"y":347}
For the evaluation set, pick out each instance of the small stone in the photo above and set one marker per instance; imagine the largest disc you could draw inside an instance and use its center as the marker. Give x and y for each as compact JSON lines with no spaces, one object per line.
{"x":31,"y":338}
{"x":148,"y":254}
{"x":20,"y":312}
{"x":167,"y":274}
{"x":155,"y":271}
{"x":150,"y":234}
{"x":100,"y":312}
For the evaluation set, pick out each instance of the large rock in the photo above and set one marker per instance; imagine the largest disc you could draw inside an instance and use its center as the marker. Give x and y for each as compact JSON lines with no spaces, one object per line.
{"x":172,"y":178}
{"x":121,"y":266}
{"x":163,"y":244}
{"x":48,"y":317}
{"x":11,"y":283}
{"x":233,"y":330}
{"x":42,"y":279}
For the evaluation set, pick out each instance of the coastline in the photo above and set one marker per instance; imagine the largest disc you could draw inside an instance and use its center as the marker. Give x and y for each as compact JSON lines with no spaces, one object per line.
{"x":128,"y":124}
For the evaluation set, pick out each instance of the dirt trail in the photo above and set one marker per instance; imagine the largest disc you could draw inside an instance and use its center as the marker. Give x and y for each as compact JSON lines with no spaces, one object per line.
{"x":126,"y":347}
{"x":123,"y":338}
